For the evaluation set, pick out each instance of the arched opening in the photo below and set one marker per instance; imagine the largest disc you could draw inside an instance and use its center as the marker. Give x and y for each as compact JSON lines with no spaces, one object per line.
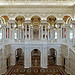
{"x":3,"y":30}
{"x":6,"y":30}
{"x":19,"y":27}
{"x":35,"y":23}
{"x":19,"y":57}
{"x":35,"y":58}
{"x":67,"y":22}
{"x":52,"y":57}
{"x":51,"y":27}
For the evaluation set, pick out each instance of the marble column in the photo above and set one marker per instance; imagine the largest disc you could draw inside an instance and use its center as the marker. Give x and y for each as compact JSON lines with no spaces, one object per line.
{"x":58,"y":56}
{"x":48,"y":33}
{"x":5,"y":33}
{"x":67,"y":61}
{"x":32,"y":32}
{"x":44,"y":59}
{"x":51,"y":33}
{"x":39,"y":32}
{"x":25,"y":31}
{"x":20,"y":34}
{"x":27,"y":57}
{"x":13,"y":33}
{"x":45,"y":32}
{"x":29,"y":31}
{"x":73,"y":35}
{"x":67,"y":33}
{"x":0,"y":62}
{"x":12,"y":57}
{"x":4,"y":67}
{"x":10,"y":33}
{"x":61,"y":32}
{"x":58,"y":34}
{"x":2,"y":33}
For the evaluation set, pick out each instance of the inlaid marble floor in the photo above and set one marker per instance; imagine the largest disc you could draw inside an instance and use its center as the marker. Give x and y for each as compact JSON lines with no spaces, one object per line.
{"x":52,"y":70}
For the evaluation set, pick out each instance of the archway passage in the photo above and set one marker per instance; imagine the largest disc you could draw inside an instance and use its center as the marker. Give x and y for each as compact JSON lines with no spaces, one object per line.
{"x":35,"y":58}
{"x":8,"y":62}
{"x":19,"y":57}
{"x":52,"y":57}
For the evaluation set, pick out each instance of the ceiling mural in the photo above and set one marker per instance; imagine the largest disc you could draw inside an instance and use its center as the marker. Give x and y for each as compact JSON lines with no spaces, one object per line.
{"x":19,"y":20}
{"x":51,"y":19}
{"x":67,"y":19}
{"x":6,"y":18}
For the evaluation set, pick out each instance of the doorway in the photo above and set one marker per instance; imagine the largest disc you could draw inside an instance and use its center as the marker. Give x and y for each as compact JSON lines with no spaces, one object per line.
{"x":52,"y":57}
{"x":35,"y":58}
{"x":19,"y":57}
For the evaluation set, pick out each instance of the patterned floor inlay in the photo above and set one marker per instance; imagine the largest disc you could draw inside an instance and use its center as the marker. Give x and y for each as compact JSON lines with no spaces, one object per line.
{"x":35,"y":70}
{"x":52,"y":70}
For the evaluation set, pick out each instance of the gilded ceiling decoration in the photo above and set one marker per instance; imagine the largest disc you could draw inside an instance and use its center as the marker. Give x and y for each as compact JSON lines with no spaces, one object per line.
{"x":2,"y":21}
{"x":67,"y":19}
{"x":6,"y":18}
{"x":35,"y":21}
{"x":51,"y":19}
{"x":19,"y":20}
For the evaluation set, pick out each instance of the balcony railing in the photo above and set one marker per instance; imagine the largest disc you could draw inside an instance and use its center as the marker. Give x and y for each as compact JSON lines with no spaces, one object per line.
{"x":21,"y":41}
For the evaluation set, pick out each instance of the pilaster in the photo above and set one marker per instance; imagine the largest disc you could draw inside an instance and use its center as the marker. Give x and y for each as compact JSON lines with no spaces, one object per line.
{"x":44,"y":59}
{"x":27,"y":56}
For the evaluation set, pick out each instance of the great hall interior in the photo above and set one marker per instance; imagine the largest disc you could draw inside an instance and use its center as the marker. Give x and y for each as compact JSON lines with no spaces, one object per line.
{"x":37,"y":37}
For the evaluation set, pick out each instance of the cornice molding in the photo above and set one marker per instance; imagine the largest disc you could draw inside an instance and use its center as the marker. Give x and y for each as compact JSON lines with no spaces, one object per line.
{"x":36,"y":6}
